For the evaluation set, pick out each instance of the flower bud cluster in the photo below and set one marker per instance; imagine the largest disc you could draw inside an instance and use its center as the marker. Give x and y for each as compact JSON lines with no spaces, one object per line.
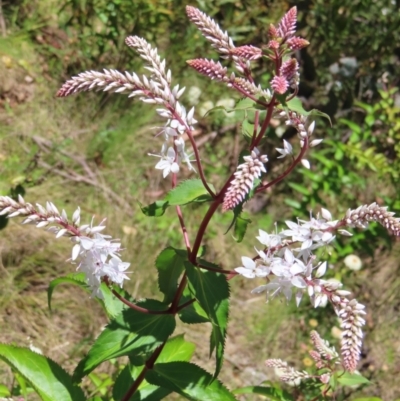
{"x":350,"y":314}
{"x":282,"y":41}
{"x":325,"y":357}
{"x":363,"y":215}
{"x":304,"y":129}
{"x":220,"y":40}
{"x":97,"y":254}
{"x":286,"y":373}
{"x":155,"y":89}
{"x":245,"y":175}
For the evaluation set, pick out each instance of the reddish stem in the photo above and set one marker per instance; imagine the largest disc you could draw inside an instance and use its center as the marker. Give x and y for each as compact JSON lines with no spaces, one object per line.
{"x":149,"y":365}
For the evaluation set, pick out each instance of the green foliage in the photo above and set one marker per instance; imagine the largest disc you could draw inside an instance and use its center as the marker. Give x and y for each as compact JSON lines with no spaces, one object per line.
{"x":351,"y":379}
{"x":189,"y":380}
{"x":187,"y":192}
{"x":170,"y":265}
{"x":273,"y":393}
{"x":130,"y":333}
{"x":211,"y":290}
{"x":47,"y":377}
{"x":176,"y":349}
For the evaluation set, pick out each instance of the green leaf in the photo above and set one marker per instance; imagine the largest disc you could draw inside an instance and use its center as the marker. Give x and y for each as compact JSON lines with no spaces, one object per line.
{"x":188,"y":191}
{"x":176,"y":349}
{"x":170,"y":266}
{"x":4,"y":391}
{"x":131,"y":333}
{"x":292,"y":203}
{"x":145,"y":392}
{"x":211,"y":290}
{"x":189,"y":380}
{"x":193,"y":313}
{"x":112,"y":305}
{"x":247,"y":129}
{"x":351,"y":379}
{"x":273,"y":393}
{"x":156,"y":209}
{"x":296,"y":105}
{"x":299,"y":188}
{"x":369,"y":399}
{"x":352,"y":125}
{"x":240,"y":228}
{"x":48,"y":379}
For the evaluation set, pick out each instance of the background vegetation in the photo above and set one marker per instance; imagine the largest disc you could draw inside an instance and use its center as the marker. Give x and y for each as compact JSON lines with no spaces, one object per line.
{"x":91,"y":150}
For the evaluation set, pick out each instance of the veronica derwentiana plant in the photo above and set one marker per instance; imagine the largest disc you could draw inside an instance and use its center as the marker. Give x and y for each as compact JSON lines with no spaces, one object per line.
{"x":289,"y":261}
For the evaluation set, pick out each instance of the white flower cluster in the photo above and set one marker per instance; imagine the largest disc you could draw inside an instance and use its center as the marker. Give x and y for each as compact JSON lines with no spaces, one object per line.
{"x":97,"y":254}
{"x":98,"y":257}
{"x":292,"y":266}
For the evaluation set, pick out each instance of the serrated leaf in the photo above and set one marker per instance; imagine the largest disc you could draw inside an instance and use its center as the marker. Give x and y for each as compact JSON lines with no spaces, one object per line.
{"x":193,"y":313}
{"x":211,"y":290}
{"x":176,"y":349}
{"x":169,"y":264}
{"x":273,"y":393}
{"x":189,"y":380}
{"x":240,"y":228}
{"x":131,"y":332}
{"x":155,"y":209}
{"x":188,"y":191}
{"x":48,"y":379}
{"x":145,"y":392}
{"x":351,"y":379}
{"x":112,"y":305}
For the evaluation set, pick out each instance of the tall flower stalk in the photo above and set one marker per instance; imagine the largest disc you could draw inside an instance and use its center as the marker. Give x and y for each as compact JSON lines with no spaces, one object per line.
{"x":288,"y":261}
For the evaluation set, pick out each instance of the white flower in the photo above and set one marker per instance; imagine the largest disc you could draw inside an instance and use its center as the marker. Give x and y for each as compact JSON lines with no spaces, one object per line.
{"x":114,"y":269}
{"x":268,"y":240}
{"x":287,"y":149}
{"x":298,"y":233}
{"x":182,"y":155}
{"x":250,"y":269}
{"x":353,"y":262}
{"x":288,"y":272}
{"x":167,"y":162}
{"x":98,"y":258}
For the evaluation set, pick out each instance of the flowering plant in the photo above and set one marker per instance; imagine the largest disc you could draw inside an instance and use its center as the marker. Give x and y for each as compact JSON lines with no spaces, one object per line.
{"x":196,"y":290}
